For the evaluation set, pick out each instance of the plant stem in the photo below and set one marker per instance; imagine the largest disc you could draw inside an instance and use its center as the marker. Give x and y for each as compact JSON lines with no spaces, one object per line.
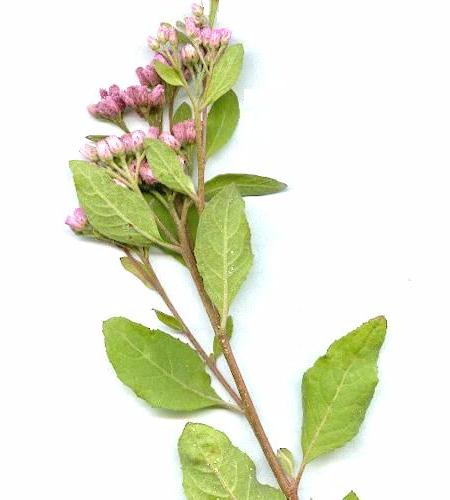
{"x":152,"y":279}
{"x":214,"y":6}
{"x":201,"y":157}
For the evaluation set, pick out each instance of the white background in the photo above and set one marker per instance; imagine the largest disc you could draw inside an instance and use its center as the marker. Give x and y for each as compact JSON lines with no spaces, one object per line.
{"x":348,"y":102}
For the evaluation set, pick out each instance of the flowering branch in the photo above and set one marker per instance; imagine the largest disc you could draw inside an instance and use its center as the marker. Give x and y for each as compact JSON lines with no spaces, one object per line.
{"x":136,"y":192}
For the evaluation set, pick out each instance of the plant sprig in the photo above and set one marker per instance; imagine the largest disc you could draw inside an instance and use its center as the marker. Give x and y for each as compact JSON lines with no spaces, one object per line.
{"x":137,"y":193}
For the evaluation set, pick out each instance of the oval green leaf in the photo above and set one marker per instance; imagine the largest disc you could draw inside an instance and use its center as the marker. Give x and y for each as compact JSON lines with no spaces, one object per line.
{"x":222,"y":122}
{"x":338,"y":389}
{"x":287,"y":461}
{"x":213,"y":468}
{"x":160,"y":369}
{"x":167,"y":168}
{"x":136,"y":269}
{"x":247,"y":185}
{"x":168,"y":74}
{"x":115,"y":212}
{"x":225,"y":74}
{"x":222,"y":248}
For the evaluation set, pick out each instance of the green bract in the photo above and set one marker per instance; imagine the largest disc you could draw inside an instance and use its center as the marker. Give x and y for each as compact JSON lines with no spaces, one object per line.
{"x":338,"y":389}
{"x":169,"y":321}
{"x":114,"y":211}
{"x":225,"y":74}
{"x":222,"y":248}
{"x":351,"y":496}
{"x":213,"y":468}
{"x":160,"y":369}
{"x":168,"y":74}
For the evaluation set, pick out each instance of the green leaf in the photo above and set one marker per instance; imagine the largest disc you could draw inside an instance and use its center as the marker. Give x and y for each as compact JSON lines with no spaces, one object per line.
{"x":96,"y":138}
{"x":222,"y":122}
{"x":167,"y":168}
{"x":215,"y":469}
{"x":168,"y":74}
{"x":351,"y":496}
{"x":287,"y":461}
{"x":183,"y":113}
{"x":169,"y":320}
{"x":222,"y":247}
{"x":338,"y":389}
{"x":115,"y":212}
{"x":217,"y":348}
{"x":247,"y":185}
{"x":225,"y":74}
{"x":163,"y":215}
{"x":159,"y":368}
{"x":136,"y":269}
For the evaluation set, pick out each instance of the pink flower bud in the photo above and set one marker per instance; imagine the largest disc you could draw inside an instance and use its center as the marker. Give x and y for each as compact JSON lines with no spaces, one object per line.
{"x":153,"y":43}
{"x":103,"y":151}
{"x":138,"y":137}
{"x":192,"y":30}
{"x":170,"y":141}
{"x":172,"y":35}
{"x":189,"y":54}
{"x":163,"y":34}
{"x":161,"y":59}
{"x":215,"y":39}
{"x":157,"y":96}
{"x":152,"y":133}
{"x":206,"y":36}
{"x":184,"y":132}
{"x":226,"y":36}
{"x":89,"y":151}
{"x":148,"y":76}
{"x":146,"y":173}
{"x":127,"y":142}
{"x":115,"y":145}
{"x":197,"y":10}
{"x":78,"y":220}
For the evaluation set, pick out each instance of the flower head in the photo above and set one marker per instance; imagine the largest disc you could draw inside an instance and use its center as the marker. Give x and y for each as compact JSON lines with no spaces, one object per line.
{"x":115,"y":145}
{"x":142,"y":99}
{"x":152,"y":133}
{"x":103,"y":151}
{"x":77,"y":221}
{"x":89,"y":151}
{"x":111,"y":105}
{"x":189,"y":54}
{"x":184,"y":132}
{"x":146,"y":173}
{"x":192,"y":30}
{"x":148,"y":76}
{"x":170,"y":140}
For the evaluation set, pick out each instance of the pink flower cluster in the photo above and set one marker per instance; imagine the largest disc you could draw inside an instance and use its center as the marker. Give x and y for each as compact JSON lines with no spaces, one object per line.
{"x":142,"y":99}
{"x":111,"y":106}
{"x":77,"y":221}
{"x":184,"y":132}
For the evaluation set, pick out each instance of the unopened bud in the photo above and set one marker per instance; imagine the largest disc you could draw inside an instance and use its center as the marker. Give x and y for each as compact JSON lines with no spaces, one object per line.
{"x":163,"y":34}
{"x":153,"y":43}
{"x":115,"y":145}
{"x":215,"y":39}
{"x":192,"y":30}
{"x":146,"y":173}
{"x":197,"y":10}
{"x":152,"y":133}
{"x":89,"y":152}
{"x":138,"y":137}
{"x":206,"y":36}
{"x":189,"y":54}
{"x":226,"y":36}
{"x":103,"y":151}
{"x":127,"y":142}
{"x":78,"y":220}
{"x":170,"y":141}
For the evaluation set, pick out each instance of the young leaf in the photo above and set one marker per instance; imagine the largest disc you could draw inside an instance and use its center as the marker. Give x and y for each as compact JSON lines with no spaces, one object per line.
{"x":225,"y":74}
{"x":183,"y":113}
{"x":222,"y":122}
{"x":351,"y":496}
{"x":167,"y":168}
{"x":247,"y":185}
{"x":136,"y":269}
{"x":213,"y":468}
{"x":160,"y":369}
{"x":217,"y":348}
{"x":96,"y":138}
{"x":222,"y":247}
{"x":168,"y":74}
{"x":338,"y":389}
{"x":169,"y":320}
{"x":115,"y":212}
{"x":287,"y":461}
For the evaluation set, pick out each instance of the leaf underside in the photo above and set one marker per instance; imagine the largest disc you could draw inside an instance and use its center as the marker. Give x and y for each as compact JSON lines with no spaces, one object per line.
{"x":246,"y":184}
